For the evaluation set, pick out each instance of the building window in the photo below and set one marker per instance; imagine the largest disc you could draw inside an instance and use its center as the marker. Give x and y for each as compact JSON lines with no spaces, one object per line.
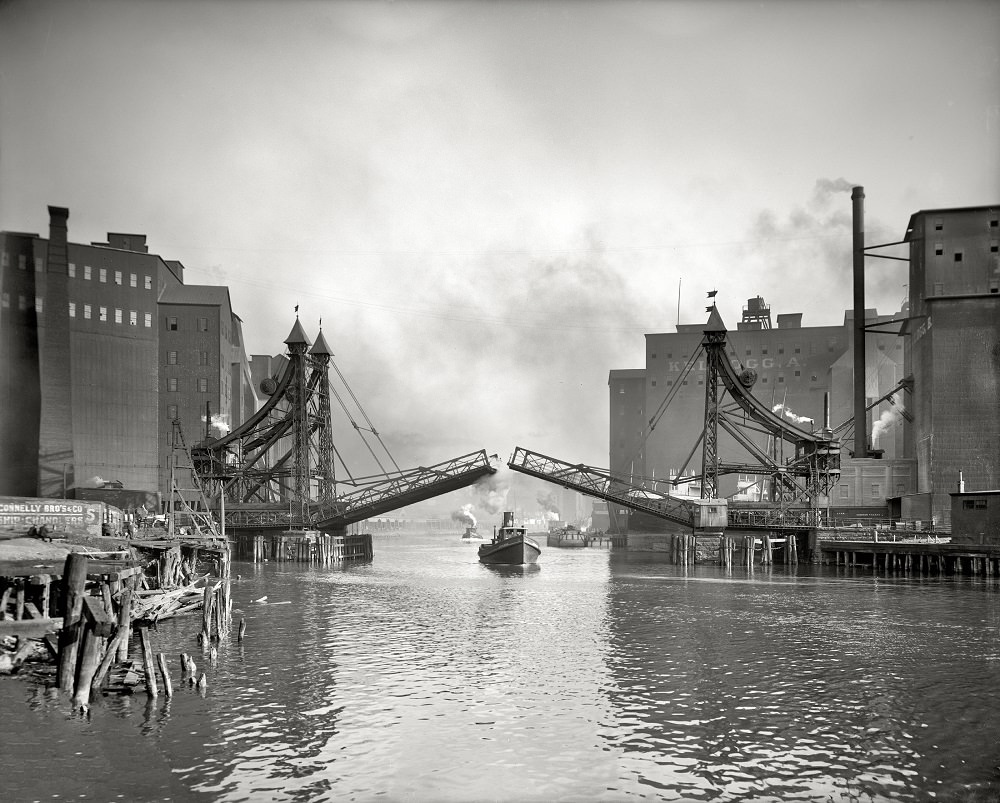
{"x":171,"y":324}
{"x":763,"y":380}
{"x":22,"y":262}
{"x":5,"y":259}
{"x":876,"y":490}
{"x":670,"y":355}
{"x":86,"y":312}
{"x":72,"y":309}
{"x":133,"y":317}
{"x":148,"y":283}
{"x":86,"y":272}
{"x":39,"y":265}
{"x":171,"y":358}
{"x":781,"y":349}
{"x":748,"y":352}
{"x":993,"y":223}
{"x":781,"y":379}
{"x":118,"y":277}
{"x":102,"y":313}
{"x":845,"y":492}
{"x":764,"y":350}
{"x":5,"y":301}
{"x":958,"y":256}
{"x":102,"y":275}
{"x":798,"y":373}
{"x":71,"y":268}
{"x":653,"y":383}
{"x":684,"y":382}
{"x":938,"y":249}
{"x":171,"y":411}
{"x":203,"y":385}
{"x":133,"y":280}
{"x":938,"y":225}
{"x":621,"y":390}
{"x":148,"y":319}
{"x":814,"y":377}
{"x":39,"y":306}
{"x":203,"y":360}
{"x":203,"y":324}
{"x":172,"y":384}
{"x":994,"y":286}
{"x":798,"y":350}
{"x":670,"y":382}
{"x":939,"y":288}
{"x":652,"y":356}
{"x":118,"y":315}
{"x":22,"y":302}
{"x":993,"y":247}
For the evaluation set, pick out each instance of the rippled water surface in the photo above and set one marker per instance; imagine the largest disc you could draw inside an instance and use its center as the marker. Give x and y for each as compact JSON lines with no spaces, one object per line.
{"x":594,"y":676}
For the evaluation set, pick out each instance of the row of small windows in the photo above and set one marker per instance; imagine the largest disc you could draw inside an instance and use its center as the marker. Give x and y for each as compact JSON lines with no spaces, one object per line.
{"x":173,"y":358}
{"x":732,"y":352}
{"x":763,"y":379}
{"x":173,"y":386}
{"x":939,"y":224}
{"x":173,"y":324}
{"x":959,"y":256}
{"x":102,"y":314}
{"x":88,"y":272}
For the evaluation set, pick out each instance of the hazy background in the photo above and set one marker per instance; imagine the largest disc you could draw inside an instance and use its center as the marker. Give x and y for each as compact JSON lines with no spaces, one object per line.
{"x":489,"y":204}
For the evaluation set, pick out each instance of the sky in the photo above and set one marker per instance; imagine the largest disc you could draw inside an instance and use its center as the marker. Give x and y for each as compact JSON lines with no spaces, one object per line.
{"x":489,"y":204}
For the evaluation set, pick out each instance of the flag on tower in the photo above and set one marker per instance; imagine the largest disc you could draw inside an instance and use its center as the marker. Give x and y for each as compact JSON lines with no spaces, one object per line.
{"x":711,"y":293}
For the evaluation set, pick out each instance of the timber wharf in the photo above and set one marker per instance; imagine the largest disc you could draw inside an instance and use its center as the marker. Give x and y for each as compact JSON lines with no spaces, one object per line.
{"x":89,"y":611}
{"x":890,"y":553}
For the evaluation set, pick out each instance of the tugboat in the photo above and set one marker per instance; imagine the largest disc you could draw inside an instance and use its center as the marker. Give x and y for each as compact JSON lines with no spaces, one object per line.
{"x":510,"y":546}
{"x":471,"y":534}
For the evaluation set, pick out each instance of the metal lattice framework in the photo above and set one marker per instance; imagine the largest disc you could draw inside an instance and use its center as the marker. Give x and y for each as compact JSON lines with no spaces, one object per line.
{"x":602,"y":484}
{"x":277,"y":470}
{"x":800,"y":482}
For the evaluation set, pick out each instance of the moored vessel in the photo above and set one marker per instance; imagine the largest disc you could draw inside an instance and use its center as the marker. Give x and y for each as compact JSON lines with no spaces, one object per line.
{"x":510,"y":545}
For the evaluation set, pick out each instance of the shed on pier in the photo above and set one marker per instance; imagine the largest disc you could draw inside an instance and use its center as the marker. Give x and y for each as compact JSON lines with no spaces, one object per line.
{"x":975,"y":517}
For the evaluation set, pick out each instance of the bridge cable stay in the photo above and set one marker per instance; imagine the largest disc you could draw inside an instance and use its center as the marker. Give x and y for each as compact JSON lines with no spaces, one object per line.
{"x":360,"y":432}
{"x":371,"y":426}
{"x":668,"y":397}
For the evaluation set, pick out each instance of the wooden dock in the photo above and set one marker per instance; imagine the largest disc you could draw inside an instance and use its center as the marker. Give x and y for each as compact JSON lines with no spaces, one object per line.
{"x":916,"y":557}
{"x":303,"y":546}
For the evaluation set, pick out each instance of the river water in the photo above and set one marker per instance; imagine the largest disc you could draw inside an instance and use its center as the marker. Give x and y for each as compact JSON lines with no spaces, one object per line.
{"x":597,"y":675}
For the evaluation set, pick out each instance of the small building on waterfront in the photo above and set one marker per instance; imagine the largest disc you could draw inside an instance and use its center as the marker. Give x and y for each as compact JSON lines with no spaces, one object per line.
{"x":975,"y":517}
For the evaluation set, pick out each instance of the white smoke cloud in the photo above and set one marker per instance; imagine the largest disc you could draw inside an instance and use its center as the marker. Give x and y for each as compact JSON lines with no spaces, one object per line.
{"x":220,"y":423}
{"x":886,"y":421}
{"x":548,"y":505}
{"x":491,"y":492}
{"x":797,"y":419}
{"x":464,"y":516}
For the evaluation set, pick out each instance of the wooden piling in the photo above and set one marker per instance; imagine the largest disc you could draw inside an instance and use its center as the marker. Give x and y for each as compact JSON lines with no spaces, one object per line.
{"x":161,"y":660}
{"x":147,"y":662}
{"x":243,"y":629}
{"x":73,"y":587}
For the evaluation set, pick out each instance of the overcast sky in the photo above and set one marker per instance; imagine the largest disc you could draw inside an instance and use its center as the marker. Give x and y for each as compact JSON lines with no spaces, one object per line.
{"x":489,"y":204}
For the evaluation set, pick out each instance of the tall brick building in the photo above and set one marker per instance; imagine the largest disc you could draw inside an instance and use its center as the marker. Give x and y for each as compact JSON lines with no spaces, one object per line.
{"x":953,"y":335}
{"x":102,"y":346}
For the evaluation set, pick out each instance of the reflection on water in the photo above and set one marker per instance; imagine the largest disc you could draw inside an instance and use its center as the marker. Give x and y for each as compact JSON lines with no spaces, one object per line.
{"x":590,"y":676}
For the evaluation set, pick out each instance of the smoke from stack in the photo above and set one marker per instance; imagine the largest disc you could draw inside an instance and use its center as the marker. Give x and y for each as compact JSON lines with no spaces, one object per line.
{"x":784,"y":410}
{"x":886,"y":421}
{"x":464,"y":516}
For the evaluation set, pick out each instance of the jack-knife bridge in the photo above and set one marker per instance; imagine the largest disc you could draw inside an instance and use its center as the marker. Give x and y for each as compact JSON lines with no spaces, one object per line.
{"x":799,"y":482}
{"x":277,"y":470}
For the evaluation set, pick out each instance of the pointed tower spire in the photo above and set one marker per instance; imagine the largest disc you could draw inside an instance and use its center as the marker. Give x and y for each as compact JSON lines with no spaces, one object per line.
{"x":297,"y":337}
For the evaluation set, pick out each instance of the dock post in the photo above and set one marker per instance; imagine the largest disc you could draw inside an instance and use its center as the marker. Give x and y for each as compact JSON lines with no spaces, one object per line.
{"x":73,"y":587}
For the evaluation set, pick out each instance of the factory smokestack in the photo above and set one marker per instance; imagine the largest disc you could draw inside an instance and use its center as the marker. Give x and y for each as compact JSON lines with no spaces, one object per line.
{"x":860,"y":429}
{"x":961,"y":483}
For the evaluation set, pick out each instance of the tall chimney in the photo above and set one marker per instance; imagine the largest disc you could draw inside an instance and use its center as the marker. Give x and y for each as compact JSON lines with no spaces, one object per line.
{"x":860,"y":430}
{"x":961,"y":483}
{"x":55,"y":437}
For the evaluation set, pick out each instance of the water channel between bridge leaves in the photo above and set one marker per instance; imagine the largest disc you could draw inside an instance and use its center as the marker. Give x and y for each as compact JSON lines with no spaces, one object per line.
{"x":597,"y":675}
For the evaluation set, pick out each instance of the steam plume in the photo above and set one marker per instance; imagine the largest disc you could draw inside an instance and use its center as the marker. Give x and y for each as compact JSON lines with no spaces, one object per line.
{"x":797,"y":419}
{"x":464,"y":516}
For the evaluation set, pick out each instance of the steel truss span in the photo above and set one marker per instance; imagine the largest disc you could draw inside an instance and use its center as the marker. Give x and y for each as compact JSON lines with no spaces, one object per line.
{"x":602,"y":484}
{"x":801,"y":483}
{"x":277,"y":470}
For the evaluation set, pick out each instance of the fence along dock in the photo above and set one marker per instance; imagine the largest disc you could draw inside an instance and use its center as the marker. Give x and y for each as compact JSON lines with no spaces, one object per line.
{"x":303,"y":546}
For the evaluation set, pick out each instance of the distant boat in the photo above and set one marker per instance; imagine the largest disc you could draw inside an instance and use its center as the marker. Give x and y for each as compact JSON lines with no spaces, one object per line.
{"x":510,"y":546}
{"x":566,"y":537}
{"x":470,"y":535}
